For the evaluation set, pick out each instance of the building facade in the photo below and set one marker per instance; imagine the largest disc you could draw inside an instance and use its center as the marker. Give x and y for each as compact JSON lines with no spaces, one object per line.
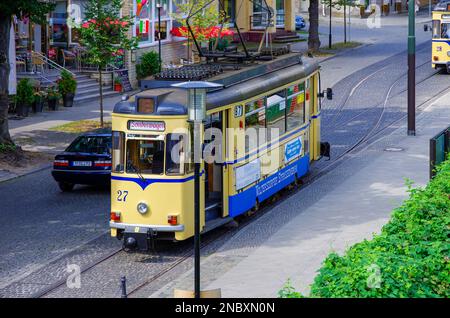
{"x":60,"y":30}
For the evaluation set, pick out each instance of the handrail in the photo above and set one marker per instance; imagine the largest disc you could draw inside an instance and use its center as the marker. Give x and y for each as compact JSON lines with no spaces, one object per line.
{"x":51,"y":62}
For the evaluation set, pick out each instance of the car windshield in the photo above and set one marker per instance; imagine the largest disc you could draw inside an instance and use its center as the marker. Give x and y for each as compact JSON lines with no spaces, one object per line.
{"x":91,"y":144}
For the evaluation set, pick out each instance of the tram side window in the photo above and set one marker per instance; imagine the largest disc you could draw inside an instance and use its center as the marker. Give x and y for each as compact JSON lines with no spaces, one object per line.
{"x":177,"y":161}
{"x":436,"y":29}
{"x":295,"y":106}
{"x":255,"y":120}
{"x":145,"y":156}
{"x":445,"y":30}
{"x":118,"y":143}
{"x":276,"y":114}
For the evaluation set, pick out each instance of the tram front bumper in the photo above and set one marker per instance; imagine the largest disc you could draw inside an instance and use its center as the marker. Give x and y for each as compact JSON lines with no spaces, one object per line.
{"x":141,"y":236}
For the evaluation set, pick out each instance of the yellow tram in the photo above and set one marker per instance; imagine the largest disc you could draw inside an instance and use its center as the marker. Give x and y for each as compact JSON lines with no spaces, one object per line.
{"x":152,"y":195}
{"x":441,"y":36}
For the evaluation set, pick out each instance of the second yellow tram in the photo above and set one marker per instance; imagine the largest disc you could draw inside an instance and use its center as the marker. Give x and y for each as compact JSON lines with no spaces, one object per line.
{"x":441,"y":36}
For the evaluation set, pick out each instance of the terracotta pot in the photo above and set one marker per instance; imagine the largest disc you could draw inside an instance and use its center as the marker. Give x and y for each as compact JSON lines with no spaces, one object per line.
{"x":118,"y":87}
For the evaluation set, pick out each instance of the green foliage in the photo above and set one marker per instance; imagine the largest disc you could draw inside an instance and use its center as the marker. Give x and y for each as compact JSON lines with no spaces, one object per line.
{"x":288,"y":291}
{"x":25,"y":92}
{"x":35,"y":9}
{"x":6,"y":148}
{"x":207,"y":18}
{"x":105,"y":31}
{"x":149,"y":65}
{"x":409,"y":258}
{"x":67,"y":83}
{"x":53,"y":93}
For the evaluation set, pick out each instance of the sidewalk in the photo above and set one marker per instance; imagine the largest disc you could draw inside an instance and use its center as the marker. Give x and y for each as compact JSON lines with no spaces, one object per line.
{"x":34,"y":133}
{"x":340,"y":209}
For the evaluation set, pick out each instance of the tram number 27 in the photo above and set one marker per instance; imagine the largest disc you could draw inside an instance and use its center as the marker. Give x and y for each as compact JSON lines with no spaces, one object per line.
{"x":122,"y":195}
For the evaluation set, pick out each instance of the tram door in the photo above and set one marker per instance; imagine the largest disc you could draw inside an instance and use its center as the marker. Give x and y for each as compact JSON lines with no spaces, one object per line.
{"x":213,"y":156}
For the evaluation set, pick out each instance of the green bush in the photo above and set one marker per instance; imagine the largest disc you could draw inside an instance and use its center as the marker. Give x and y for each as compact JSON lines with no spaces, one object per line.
{"x":409,"y":258}
{"x":25,"y":92}
{"x":67,"y":83}
{"x":149,"y":65}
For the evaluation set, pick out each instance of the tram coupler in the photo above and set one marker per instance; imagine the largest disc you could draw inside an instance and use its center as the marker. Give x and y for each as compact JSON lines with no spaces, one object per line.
{"x":139,"y":241}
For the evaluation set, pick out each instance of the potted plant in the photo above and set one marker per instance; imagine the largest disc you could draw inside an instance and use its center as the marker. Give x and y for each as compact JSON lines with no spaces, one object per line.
{"x":117,"y":84}
{"x":38,"y":104}
{"x":53,"y":97}
{"x":24,"y":97}
{"x":67,"y":85}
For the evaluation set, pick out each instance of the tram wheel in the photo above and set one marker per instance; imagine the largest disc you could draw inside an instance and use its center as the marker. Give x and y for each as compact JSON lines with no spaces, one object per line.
{"x":65,"y":186}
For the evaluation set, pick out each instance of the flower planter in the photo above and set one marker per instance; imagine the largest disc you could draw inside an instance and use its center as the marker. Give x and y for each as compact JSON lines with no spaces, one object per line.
{"x":52,"y":104}
{"x":38,"y":106}
{"x":118,"y":87}
{"x":22,"y":110}
{"x":68,"y":100}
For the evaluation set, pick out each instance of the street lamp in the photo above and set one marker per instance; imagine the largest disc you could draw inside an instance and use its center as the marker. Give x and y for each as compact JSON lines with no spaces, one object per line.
{"x":159,"y":6}
{"x":411,"y":69}
{"x":329,"y":33}
{"x":196,"y":115}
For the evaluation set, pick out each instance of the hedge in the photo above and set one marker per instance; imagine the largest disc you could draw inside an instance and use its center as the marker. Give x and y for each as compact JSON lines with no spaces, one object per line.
{"x":409,"y":258}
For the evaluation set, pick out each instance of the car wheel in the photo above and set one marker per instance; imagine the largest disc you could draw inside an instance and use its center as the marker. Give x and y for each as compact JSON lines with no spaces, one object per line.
{"x":66,"y":187}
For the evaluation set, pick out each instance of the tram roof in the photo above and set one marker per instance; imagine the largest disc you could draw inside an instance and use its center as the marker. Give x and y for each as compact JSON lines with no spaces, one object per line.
{"x":238,"y":85}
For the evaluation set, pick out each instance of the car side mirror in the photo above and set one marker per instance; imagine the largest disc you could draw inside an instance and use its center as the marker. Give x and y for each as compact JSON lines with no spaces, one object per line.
{"x":329,"y":93}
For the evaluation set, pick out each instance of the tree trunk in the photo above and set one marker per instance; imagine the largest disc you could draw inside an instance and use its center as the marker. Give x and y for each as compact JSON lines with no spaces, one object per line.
{"x":101,"y":95}
{"x":313,"y":37}
{"x":5,"y":29}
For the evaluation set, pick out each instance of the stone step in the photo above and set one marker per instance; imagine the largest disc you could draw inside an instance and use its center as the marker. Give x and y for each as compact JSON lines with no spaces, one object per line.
{"x":87,"y":98}
{"x":91,"y":91}
{"x":87,"y":85}
{"x":287,"y":40}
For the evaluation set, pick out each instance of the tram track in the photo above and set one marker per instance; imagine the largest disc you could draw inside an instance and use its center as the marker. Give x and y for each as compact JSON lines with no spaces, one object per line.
{"x":340,"y":107}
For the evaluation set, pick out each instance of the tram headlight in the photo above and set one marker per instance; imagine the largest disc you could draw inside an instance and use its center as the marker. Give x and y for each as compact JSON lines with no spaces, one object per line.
{"x":142,"y":208}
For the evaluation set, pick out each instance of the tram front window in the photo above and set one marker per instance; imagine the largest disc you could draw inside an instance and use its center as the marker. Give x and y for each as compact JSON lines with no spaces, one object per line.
{"x":445,"y":30}
{"x":145,"y":156}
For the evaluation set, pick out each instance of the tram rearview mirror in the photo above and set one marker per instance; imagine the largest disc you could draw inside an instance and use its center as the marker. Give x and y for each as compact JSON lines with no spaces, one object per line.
{"x":329,"y":93}
{"x":425,"y":27}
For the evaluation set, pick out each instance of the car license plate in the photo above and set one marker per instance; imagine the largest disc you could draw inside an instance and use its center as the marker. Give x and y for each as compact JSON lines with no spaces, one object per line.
{"x":82,"y":163}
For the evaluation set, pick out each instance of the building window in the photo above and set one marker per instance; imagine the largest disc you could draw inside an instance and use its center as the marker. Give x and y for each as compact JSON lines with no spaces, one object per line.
{"x":146,"y":16}
{"x":229,"y":7}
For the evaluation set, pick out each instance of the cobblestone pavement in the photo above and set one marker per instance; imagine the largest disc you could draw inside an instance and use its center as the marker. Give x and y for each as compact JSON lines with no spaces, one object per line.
{"x":59,"y":226}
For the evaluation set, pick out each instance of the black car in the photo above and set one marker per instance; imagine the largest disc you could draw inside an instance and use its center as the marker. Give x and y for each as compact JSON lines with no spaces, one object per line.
{"x":86,"y":161}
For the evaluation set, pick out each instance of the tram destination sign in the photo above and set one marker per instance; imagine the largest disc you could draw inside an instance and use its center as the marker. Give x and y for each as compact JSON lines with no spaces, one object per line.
{"x":146,"y":125}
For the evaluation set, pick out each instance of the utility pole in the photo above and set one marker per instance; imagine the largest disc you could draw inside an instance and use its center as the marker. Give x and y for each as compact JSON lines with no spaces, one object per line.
{"x":411,"y":69}
{"x":329,"y":33}
{"x":345,"y":21}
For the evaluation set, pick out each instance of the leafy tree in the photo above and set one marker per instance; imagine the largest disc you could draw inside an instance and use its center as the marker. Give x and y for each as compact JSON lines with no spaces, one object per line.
{"x":36,"y":11}
{"x":104,"y":34}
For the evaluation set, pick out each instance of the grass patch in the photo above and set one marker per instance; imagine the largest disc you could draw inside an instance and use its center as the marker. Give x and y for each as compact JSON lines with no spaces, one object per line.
{"x":6,"y":148}
{"x":82,"y":126}
{"x":343,"y":46}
